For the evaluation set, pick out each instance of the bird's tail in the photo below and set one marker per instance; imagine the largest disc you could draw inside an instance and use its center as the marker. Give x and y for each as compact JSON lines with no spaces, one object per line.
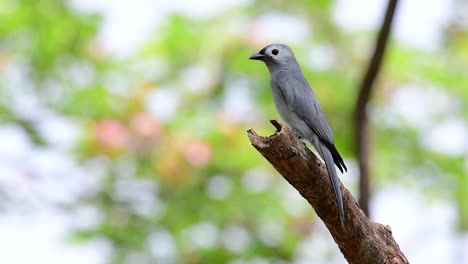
{"x":335,"y":181}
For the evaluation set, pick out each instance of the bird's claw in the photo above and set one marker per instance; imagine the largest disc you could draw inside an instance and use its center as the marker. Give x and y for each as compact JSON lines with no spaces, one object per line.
{"x":298,"y":134}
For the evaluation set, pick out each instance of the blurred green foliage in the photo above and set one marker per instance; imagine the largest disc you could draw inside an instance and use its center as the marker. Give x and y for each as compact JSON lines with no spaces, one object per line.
{"x":180,"y":158}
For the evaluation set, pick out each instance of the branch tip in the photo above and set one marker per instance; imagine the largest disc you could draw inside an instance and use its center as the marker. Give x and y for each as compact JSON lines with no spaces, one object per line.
{"x":251,"y":131}
{"x":277,"y":125}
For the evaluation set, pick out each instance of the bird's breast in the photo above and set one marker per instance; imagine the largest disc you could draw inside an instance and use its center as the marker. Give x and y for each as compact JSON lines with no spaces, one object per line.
{"x":281,"y":105}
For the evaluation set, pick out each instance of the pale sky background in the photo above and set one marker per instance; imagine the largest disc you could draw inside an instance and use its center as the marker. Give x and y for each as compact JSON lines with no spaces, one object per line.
{"x":39,"y":236}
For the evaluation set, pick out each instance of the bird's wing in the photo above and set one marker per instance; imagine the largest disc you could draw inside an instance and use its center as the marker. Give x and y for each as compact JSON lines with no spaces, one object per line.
{"x":301,"y":100}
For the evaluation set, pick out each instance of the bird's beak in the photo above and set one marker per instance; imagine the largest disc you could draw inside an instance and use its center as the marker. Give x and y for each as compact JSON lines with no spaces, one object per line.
{"x":257,"y":56}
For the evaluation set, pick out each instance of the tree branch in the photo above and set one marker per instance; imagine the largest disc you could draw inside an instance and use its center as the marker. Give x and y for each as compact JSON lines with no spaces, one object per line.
{"x":360,"y":115}
{"x":363,"y":241}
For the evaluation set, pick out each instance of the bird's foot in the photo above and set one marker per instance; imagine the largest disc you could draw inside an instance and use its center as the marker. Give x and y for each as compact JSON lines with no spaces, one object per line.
{"x":298,"y":134}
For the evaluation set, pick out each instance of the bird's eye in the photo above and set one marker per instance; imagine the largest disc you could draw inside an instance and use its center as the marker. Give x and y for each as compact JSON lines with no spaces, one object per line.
{"x":275,"y":52}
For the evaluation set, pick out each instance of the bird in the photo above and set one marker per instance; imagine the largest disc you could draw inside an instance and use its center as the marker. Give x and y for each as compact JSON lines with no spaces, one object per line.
{"x":298,"y":106}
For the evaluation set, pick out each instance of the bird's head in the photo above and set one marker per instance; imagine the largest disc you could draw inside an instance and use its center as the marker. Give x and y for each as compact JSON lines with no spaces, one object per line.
{"x":275,"y":55}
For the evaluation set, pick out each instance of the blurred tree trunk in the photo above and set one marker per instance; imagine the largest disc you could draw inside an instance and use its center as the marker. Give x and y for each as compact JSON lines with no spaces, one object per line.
{"x":360,"y":114}
{"x":362,"y":241}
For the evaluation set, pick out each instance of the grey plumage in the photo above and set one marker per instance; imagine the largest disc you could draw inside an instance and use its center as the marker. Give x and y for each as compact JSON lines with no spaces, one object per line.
{"x":299,"y":108}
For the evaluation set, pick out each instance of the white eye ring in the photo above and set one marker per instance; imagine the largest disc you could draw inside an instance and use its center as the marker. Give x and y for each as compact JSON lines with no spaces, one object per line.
{"x":275,"y":52}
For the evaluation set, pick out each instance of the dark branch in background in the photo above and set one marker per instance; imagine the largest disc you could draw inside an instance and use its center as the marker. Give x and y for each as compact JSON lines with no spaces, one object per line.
{"x":363,"y":241}
{"x":360,"y":115}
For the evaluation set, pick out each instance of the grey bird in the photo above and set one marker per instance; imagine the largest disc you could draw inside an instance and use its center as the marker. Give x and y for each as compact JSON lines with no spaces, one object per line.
{"x":299,"y":108}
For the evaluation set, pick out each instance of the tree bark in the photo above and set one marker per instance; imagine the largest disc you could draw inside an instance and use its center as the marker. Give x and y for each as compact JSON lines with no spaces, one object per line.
{"x":361,"y":127}
{"x":362,"y":241}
